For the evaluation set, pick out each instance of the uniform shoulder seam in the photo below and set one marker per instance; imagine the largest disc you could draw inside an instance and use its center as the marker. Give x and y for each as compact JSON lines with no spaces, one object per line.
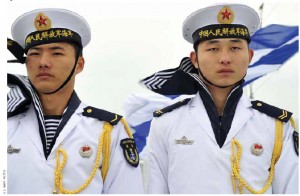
{"x":170,"y":108}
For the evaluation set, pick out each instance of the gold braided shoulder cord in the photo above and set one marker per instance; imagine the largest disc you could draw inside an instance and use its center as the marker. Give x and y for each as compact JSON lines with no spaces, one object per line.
{"x":235,"y":157}
{"x":104,"y":140}
{"x":103,"y":146}
{"x":106,"y":149}
{"x":293,"y":123}
{"x":126,"y":128}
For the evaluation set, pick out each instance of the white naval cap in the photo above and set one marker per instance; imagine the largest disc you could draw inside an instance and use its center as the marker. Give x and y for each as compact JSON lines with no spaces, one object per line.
{"x":48,"y":25}
{"x":221,"y":21}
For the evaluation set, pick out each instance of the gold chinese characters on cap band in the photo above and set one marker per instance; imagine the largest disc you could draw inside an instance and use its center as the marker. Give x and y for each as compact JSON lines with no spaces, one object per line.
{"x":225,"y":15}
{"x":42,"y":22}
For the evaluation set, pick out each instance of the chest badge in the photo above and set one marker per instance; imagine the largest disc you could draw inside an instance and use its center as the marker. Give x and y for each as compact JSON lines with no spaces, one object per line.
{"x":257,"y":149}
{"x":11,"y":149}
{"x":184,"y":140}
{"x":86,"y":151}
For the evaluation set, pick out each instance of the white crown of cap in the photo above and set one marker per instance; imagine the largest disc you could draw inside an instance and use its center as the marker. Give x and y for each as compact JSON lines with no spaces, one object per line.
{"x":244,"y":15}
{"x":60,"y":18}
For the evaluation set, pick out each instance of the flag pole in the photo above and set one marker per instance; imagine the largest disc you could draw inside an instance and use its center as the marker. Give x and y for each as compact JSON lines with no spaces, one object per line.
{"x":261,"y":9}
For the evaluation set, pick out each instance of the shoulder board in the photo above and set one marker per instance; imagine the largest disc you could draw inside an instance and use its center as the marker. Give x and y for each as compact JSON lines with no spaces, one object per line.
{"x":272,"y":111}
{"x":169,"y":108}
{"x":102,"y":115}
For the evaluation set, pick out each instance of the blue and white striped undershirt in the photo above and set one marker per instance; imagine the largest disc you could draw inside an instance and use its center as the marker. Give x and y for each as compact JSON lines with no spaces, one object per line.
{"x":51,"y":124}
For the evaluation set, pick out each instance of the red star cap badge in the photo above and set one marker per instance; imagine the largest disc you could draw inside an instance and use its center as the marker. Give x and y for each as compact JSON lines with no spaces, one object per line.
{"x":226,"y":14}
{"x":42,"y":21}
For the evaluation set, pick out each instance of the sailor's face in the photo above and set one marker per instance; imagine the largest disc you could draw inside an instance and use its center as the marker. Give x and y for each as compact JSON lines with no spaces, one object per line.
{"x":49,"y":65}
{"x":223,"y":61}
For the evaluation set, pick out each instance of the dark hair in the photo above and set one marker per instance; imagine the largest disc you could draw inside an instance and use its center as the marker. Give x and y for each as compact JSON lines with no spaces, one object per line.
{"x":77,"y":48}
{"x":195,"y":45}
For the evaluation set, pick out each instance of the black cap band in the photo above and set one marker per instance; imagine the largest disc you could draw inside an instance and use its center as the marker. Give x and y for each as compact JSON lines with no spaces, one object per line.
{"x":50,"y":36}
{"x":218,"y":31}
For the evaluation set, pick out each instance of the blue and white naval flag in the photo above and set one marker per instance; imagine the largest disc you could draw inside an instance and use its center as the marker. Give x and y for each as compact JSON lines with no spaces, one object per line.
{"x":273,"y":46}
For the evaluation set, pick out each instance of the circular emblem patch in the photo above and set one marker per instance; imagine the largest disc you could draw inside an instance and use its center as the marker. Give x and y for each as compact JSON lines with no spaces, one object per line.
{"x":86,"y":151}
{"x":257,"y":149}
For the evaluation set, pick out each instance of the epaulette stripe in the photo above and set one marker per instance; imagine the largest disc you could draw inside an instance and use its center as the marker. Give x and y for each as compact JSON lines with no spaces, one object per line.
{"x":169,"y":108}
{"x":272,"y":111}
{"x":284,"y":115}
{"x":116,"y":118}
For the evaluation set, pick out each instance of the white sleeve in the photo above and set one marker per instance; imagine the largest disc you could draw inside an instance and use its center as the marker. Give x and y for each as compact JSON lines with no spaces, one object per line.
{"x":157,"y":174}
{"x":286,"y":169}
{"x":122,"y":178}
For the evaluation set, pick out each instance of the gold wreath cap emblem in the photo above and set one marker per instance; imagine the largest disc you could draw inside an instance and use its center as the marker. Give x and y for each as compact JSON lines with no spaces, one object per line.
{"x":42,"y":22}
{"x":225,"y":15}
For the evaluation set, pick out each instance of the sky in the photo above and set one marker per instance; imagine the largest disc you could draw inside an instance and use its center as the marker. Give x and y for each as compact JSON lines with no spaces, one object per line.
{"x":131,"y":39}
